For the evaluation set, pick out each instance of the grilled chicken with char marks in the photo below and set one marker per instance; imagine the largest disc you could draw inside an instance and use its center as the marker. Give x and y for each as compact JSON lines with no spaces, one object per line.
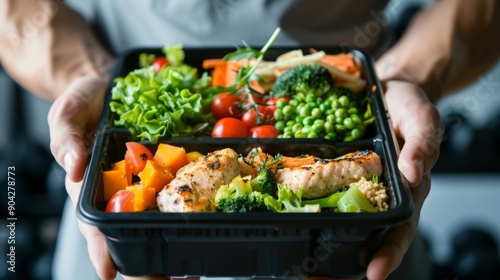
{"x":325,"y":177}
{"x":194,"y":187}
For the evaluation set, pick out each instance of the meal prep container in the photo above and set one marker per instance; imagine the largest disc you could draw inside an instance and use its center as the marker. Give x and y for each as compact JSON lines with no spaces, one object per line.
{"x":291,"y":245}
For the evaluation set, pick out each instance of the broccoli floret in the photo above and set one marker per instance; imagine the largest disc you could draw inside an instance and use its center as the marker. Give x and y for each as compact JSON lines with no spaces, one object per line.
{"x":249,"y":202}
{"x":303,"y":78}
{"x":289,"y":202}
{"x":238,"y":196}
{"x":265,"y":181}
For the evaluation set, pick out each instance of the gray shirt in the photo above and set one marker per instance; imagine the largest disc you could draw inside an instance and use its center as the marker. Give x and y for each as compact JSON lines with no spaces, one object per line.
{"x":124,"y":24}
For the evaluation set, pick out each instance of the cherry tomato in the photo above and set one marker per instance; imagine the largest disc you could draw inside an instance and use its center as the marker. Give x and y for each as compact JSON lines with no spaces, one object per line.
{"x":159,"y":63}
{"x":229,"y":128}
{"x":137,"y":156}
{"x":226,"y":105}
{"x":250,"y":116}
{"x":121,"y":201}
{"x":264,"y":131}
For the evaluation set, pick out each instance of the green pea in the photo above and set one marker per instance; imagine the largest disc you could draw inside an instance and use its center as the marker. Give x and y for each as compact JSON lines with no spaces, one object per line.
{"x":296,"y":127}
{"x":290,"y":123}
{"x":356,"y":133}
{"x":278,"y":115}
{"x":353,"y":110}
{"x":317,"y":128}
{"x":281,"y":103}
{"x":312,"y":105}
{"x":329,"y":127}
{"x":348,"y":123}
{"x":331,"y":136}
{"x":335,"y":104}
{"x":312,"y":135}
{"x":348,"y":139}
{"x":356,"y":119}
{"x":288,"y":129}
{"x":330,"y":118}
{"x":316,"y":113}
{"x":319,"y":122}
{"x":310,"y":97}
{"x":340,"y":113}
{"x":288,"y":135}
{"x":300,"y":135}
{"x":300,"y":97}
{"x":323,"y":107}
{"x":298,"y":119}
{"x":280,"y":125}
{"x":305,"y":111}
{"x":344,"y":101}
{"x":288,"y":110}
{"x":306,"y":129}
{"x":293,"y":102}
{"x":308,"y":120}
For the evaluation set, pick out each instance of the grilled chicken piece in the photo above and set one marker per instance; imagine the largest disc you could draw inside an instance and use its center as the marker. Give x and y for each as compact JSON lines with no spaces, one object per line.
{"x":194,"y":187}
{"x":325,"y":177}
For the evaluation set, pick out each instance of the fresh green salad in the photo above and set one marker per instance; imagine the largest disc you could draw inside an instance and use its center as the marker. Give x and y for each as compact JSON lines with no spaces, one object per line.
{"x":162,"y":101}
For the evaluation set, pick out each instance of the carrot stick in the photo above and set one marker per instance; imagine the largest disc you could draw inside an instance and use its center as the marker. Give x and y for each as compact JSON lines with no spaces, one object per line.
{"x":292,"y":162}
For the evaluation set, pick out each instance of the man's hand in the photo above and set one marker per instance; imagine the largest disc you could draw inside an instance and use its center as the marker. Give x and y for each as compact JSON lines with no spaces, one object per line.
{"x":419,"y":130}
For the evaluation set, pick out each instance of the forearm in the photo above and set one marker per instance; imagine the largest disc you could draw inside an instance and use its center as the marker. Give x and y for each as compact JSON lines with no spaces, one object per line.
{"x":446,"y":46}
{"x":44,"y":46}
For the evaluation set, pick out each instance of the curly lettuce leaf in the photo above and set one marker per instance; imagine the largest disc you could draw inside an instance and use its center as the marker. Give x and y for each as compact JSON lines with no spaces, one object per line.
{"x":153,"y":105}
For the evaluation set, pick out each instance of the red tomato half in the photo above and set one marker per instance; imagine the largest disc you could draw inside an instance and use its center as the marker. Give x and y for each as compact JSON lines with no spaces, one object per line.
{"x":121,"y":201}
{"x":229,"y":128}
{"x":159,"y":63}
{"x":137,"y":156}
{"x":264,"y":131}
{"x":225,"y":105}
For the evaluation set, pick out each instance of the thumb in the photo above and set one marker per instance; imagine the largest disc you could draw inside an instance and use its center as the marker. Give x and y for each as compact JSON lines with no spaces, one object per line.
{"x":418,"y":127}
{"x":72,"y":120}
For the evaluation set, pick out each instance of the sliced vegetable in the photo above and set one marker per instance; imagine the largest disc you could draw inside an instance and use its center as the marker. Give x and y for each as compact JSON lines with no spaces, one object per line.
{"x":144,"y":197}
{"x":122,"y":165}
{"x":171,"y":157}
{"x":292,"y":162}
{"x":137,"y":156}
{"x":155,"y":175}
{"x":355,"y":201}
{"x":113,"y":181}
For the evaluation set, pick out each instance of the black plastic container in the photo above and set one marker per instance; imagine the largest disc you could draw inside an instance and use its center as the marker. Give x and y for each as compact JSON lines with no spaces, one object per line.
{"x":245,"y":244}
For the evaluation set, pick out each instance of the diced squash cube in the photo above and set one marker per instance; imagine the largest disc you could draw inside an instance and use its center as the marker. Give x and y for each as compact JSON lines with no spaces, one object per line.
{"x":155,"y":175}
{"x":171,"y":157}
{"x":145,"y":197}
{"x":122,"y":165}
{"x":192,"y":156}
{"x":114,"y":180}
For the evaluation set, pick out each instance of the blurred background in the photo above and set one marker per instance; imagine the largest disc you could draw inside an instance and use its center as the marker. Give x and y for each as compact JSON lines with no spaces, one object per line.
{"x":459,"y":221}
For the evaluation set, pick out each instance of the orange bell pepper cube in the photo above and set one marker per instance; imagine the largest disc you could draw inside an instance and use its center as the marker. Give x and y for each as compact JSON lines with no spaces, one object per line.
{"x":171,"y":157}
{"x":145,"y":198}
{"x":122,"y":165}
{"x":114,"y":180}
{"x":155,"y":175}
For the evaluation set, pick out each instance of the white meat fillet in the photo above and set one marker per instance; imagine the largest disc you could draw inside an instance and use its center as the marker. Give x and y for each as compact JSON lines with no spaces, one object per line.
{"x":325,"y":177}
{"x":194,"y":187}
